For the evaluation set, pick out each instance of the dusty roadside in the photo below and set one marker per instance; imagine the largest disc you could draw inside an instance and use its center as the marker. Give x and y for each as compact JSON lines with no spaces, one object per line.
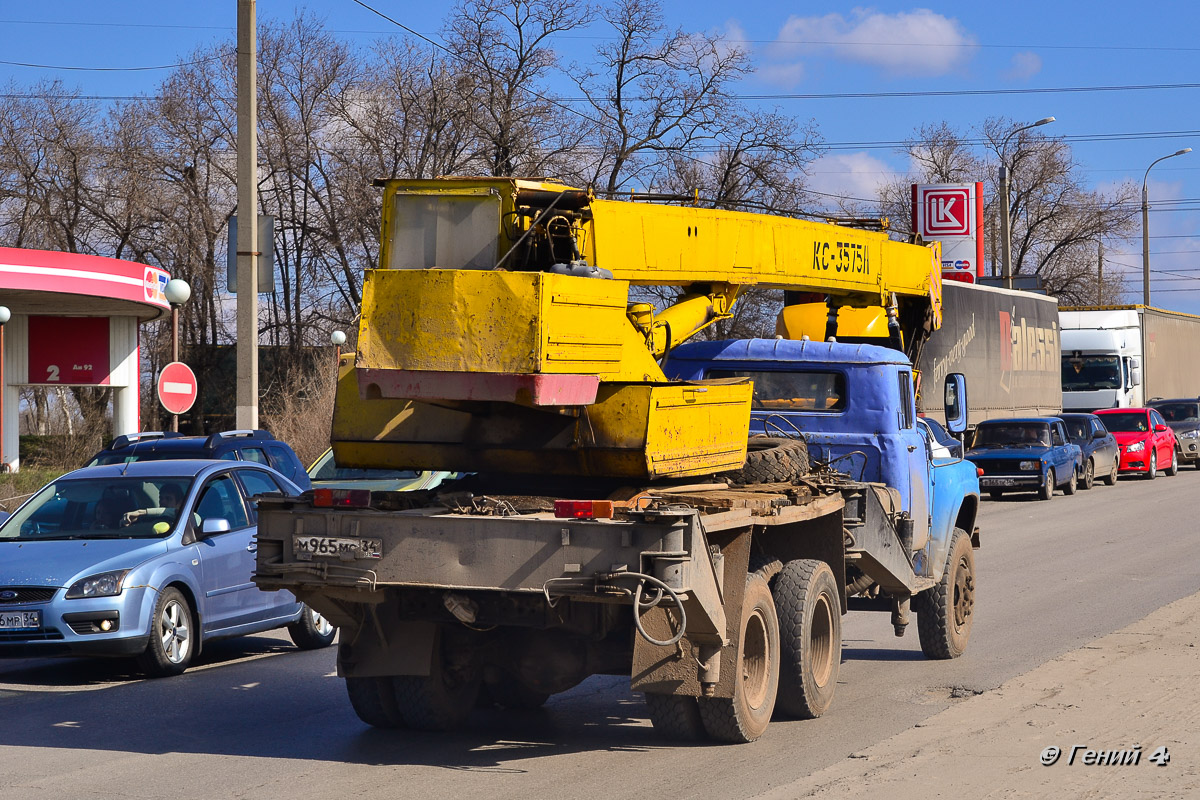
{"x":1136,"y":686}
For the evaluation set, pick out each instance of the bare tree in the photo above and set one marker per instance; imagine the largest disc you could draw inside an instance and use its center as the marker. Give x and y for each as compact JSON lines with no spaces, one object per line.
{"x":504,"y":54}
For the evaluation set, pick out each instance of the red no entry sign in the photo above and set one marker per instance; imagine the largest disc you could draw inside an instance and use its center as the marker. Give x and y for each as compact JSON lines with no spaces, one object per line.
{"x":177,"y":387}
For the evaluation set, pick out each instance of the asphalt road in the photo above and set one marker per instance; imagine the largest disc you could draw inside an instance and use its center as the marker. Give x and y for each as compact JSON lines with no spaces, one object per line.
{"x":258,"y":719}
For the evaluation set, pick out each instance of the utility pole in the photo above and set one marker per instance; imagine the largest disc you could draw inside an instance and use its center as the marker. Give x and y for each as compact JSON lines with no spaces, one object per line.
{"x":247,"y":230}
{"x":1100,"y":274}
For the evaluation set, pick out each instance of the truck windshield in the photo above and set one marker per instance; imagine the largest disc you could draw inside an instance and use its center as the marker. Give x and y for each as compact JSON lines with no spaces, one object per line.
{"x":1178,"y":412}
{"x":1012,"y":434}
{"x":120,"y":508}
{"x":447,"y":231}
{"x":1088,"y":373}
{"x":779,"y":390}
{"x":1127,"y":422}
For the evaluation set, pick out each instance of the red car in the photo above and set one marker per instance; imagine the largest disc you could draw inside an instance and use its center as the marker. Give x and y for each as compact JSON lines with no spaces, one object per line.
{"x":1145,"y":441}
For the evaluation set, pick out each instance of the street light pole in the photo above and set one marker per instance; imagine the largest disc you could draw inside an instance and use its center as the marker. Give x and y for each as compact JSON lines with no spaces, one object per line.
{"x":1005,"y":225}
{"x":1146,"y":227}
{"x":177,"y":292}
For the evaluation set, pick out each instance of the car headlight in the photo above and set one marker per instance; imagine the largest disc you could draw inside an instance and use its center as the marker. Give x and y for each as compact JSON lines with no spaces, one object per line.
{"x":1190,"y":435}
{"x":1136,"y":447}
{"x":106,"y":584}
{"x":1029,"y":465}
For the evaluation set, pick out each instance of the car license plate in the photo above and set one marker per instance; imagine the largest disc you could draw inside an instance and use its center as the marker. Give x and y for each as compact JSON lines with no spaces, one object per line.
{"x":305,"y":547}
{"x":20,"y":620}
{"x":997,"y":482}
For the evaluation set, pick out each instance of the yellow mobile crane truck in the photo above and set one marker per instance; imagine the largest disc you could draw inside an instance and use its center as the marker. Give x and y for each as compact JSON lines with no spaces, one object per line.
{"x":611,"y":518}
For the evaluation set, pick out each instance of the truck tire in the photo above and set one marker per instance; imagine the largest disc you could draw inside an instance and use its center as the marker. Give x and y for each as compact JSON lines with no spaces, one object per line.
{"x":772,"y":459}
{"x":745,"y":716}
{"x":440,"y":700}
{"x":1089,"y":475}
{"x":1070,"y":486}
{"x":675,"y":716}
{"x":374,"y":701}
{"x":946,"y":612}
{"x":810,"y":637}
{"x":1046,"y":490}
{"x":1152,"y":472}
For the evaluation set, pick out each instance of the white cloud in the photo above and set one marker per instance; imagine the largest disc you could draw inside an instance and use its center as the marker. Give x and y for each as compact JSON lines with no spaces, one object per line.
{"x":855,"y":175}
{"x":786,"y":75}
{"x":1024,"y":66}
{"x":917,"y":42}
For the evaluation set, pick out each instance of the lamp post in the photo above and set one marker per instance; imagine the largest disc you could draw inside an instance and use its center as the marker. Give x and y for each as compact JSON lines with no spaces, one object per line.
{"x":1005,"y":232}
{"x":5,"y":316}
{"x":338,"y":339}
{"x":177,"y":292}
{"x":1146,"y":227}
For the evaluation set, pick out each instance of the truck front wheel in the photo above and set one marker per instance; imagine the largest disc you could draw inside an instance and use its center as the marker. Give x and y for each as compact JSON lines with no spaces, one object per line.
{"x":946,"y":612}
{"x":810,"y":637}
{"x":745,"y":716}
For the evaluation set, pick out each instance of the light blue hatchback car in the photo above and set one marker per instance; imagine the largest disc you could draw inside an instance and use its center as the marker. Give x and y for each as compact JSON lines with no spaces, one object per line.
{"x":149,"y":559}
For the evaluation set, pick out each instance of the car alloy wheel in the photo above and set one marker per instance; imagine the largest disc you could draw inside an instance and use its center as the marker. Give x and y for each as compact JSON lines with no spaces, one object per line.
{"x":173,"y":630}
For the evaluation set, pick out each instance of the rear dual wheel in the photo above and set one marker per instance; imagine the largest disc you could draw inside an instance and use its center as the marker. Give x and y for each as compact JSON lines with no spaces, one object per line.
{"x":745,"y":716}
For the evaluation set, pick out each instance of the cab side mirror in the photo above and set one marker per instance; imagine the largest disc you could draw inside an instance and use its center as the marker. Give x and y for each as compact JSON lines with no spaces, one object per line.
{"x":955,"y":402}
{"x":213,"y":526}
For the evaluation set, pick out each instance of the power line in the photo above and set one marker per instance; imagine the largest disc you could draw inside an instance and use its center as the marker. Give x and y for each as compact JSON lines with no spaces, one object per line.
{"x":112,"y":69}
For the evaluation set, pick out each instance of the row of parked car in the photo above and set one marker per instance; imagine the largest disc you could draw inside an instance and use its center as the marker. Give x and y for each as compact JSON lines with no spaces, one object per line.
{"x":1073,"y":451}
{"x":148,"y":551}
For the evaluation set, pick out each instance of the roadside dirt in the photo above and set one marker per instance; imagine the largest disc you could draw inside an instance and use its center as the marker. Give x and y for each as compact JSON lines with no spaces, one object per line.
{"x":1137,"y":686}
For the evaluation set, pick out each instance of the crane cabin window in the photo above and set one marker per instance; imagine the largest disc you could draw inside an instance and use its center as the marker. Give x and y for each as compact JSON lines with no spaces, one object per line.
{"x":444,"y":231}
{"x":779,"y":390}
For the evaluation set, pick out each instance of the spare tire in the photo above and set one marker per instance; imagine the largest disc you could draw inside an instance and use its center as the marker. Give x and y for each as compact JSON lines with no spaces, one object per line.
{"x":772,"y":459}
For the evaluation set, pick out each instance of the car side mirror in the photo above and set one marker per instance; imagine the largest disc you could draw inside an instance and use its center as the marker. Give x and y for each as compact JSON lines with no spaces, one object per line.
{"x":1160,"y":428}
{"x":955,"y":402}
{"x":213,"y":526}
{"x":1100,"y":435}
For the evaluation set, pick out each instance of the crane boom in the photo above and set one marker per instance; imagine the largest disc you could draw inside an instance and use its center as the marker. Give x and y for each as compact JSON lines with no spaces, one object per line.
{"x":498,"y":332}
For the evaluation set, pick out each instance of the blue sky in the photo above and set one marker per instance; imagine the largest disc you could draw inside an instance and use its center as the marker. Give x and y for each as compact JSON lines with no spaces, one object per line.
{"x":801,"y":48}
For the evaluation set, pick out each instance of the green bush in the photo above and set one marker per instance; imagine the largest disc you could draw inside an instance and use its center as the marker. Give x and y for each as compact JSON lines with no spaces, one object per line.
{"x":16,"y":487}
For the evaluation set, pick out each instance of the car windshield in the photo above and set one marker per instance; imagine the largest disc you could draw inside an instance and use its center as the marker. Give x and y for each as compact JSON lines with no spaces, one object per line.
{"x":1012,"y":434}
{"x":1178,"y":412}
{"x":1088,"y":373}
{"x":1127,"y":422}
{"x":327,"y":469}
{"x":90,"y":508}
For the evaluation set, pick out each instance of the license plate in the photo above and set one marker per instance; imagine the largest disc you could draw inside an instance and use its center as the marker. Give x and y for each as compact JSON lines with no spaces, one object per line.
{"x":997,"y":482}
{"x":20,"y":620}
{"x":305,"y":547}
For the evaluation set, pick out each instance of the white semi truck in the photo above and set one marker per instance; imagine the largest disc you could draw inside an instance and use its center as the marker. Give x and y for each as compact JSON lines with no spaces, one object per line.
{"x":1126,"y":356}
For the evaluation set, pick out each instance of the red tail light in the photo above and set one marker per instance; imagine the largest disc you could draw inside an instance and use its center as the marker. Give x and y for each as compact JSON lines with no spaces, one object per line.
{"x":979,"y":472}
{"x":342,"y":498}
{"x":583,"y":509}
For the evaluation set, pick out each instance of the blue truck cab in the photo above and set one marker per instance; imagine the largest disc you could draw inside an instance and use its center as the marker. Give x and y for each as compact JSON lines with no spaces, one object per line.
{"x":854,"y":406}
